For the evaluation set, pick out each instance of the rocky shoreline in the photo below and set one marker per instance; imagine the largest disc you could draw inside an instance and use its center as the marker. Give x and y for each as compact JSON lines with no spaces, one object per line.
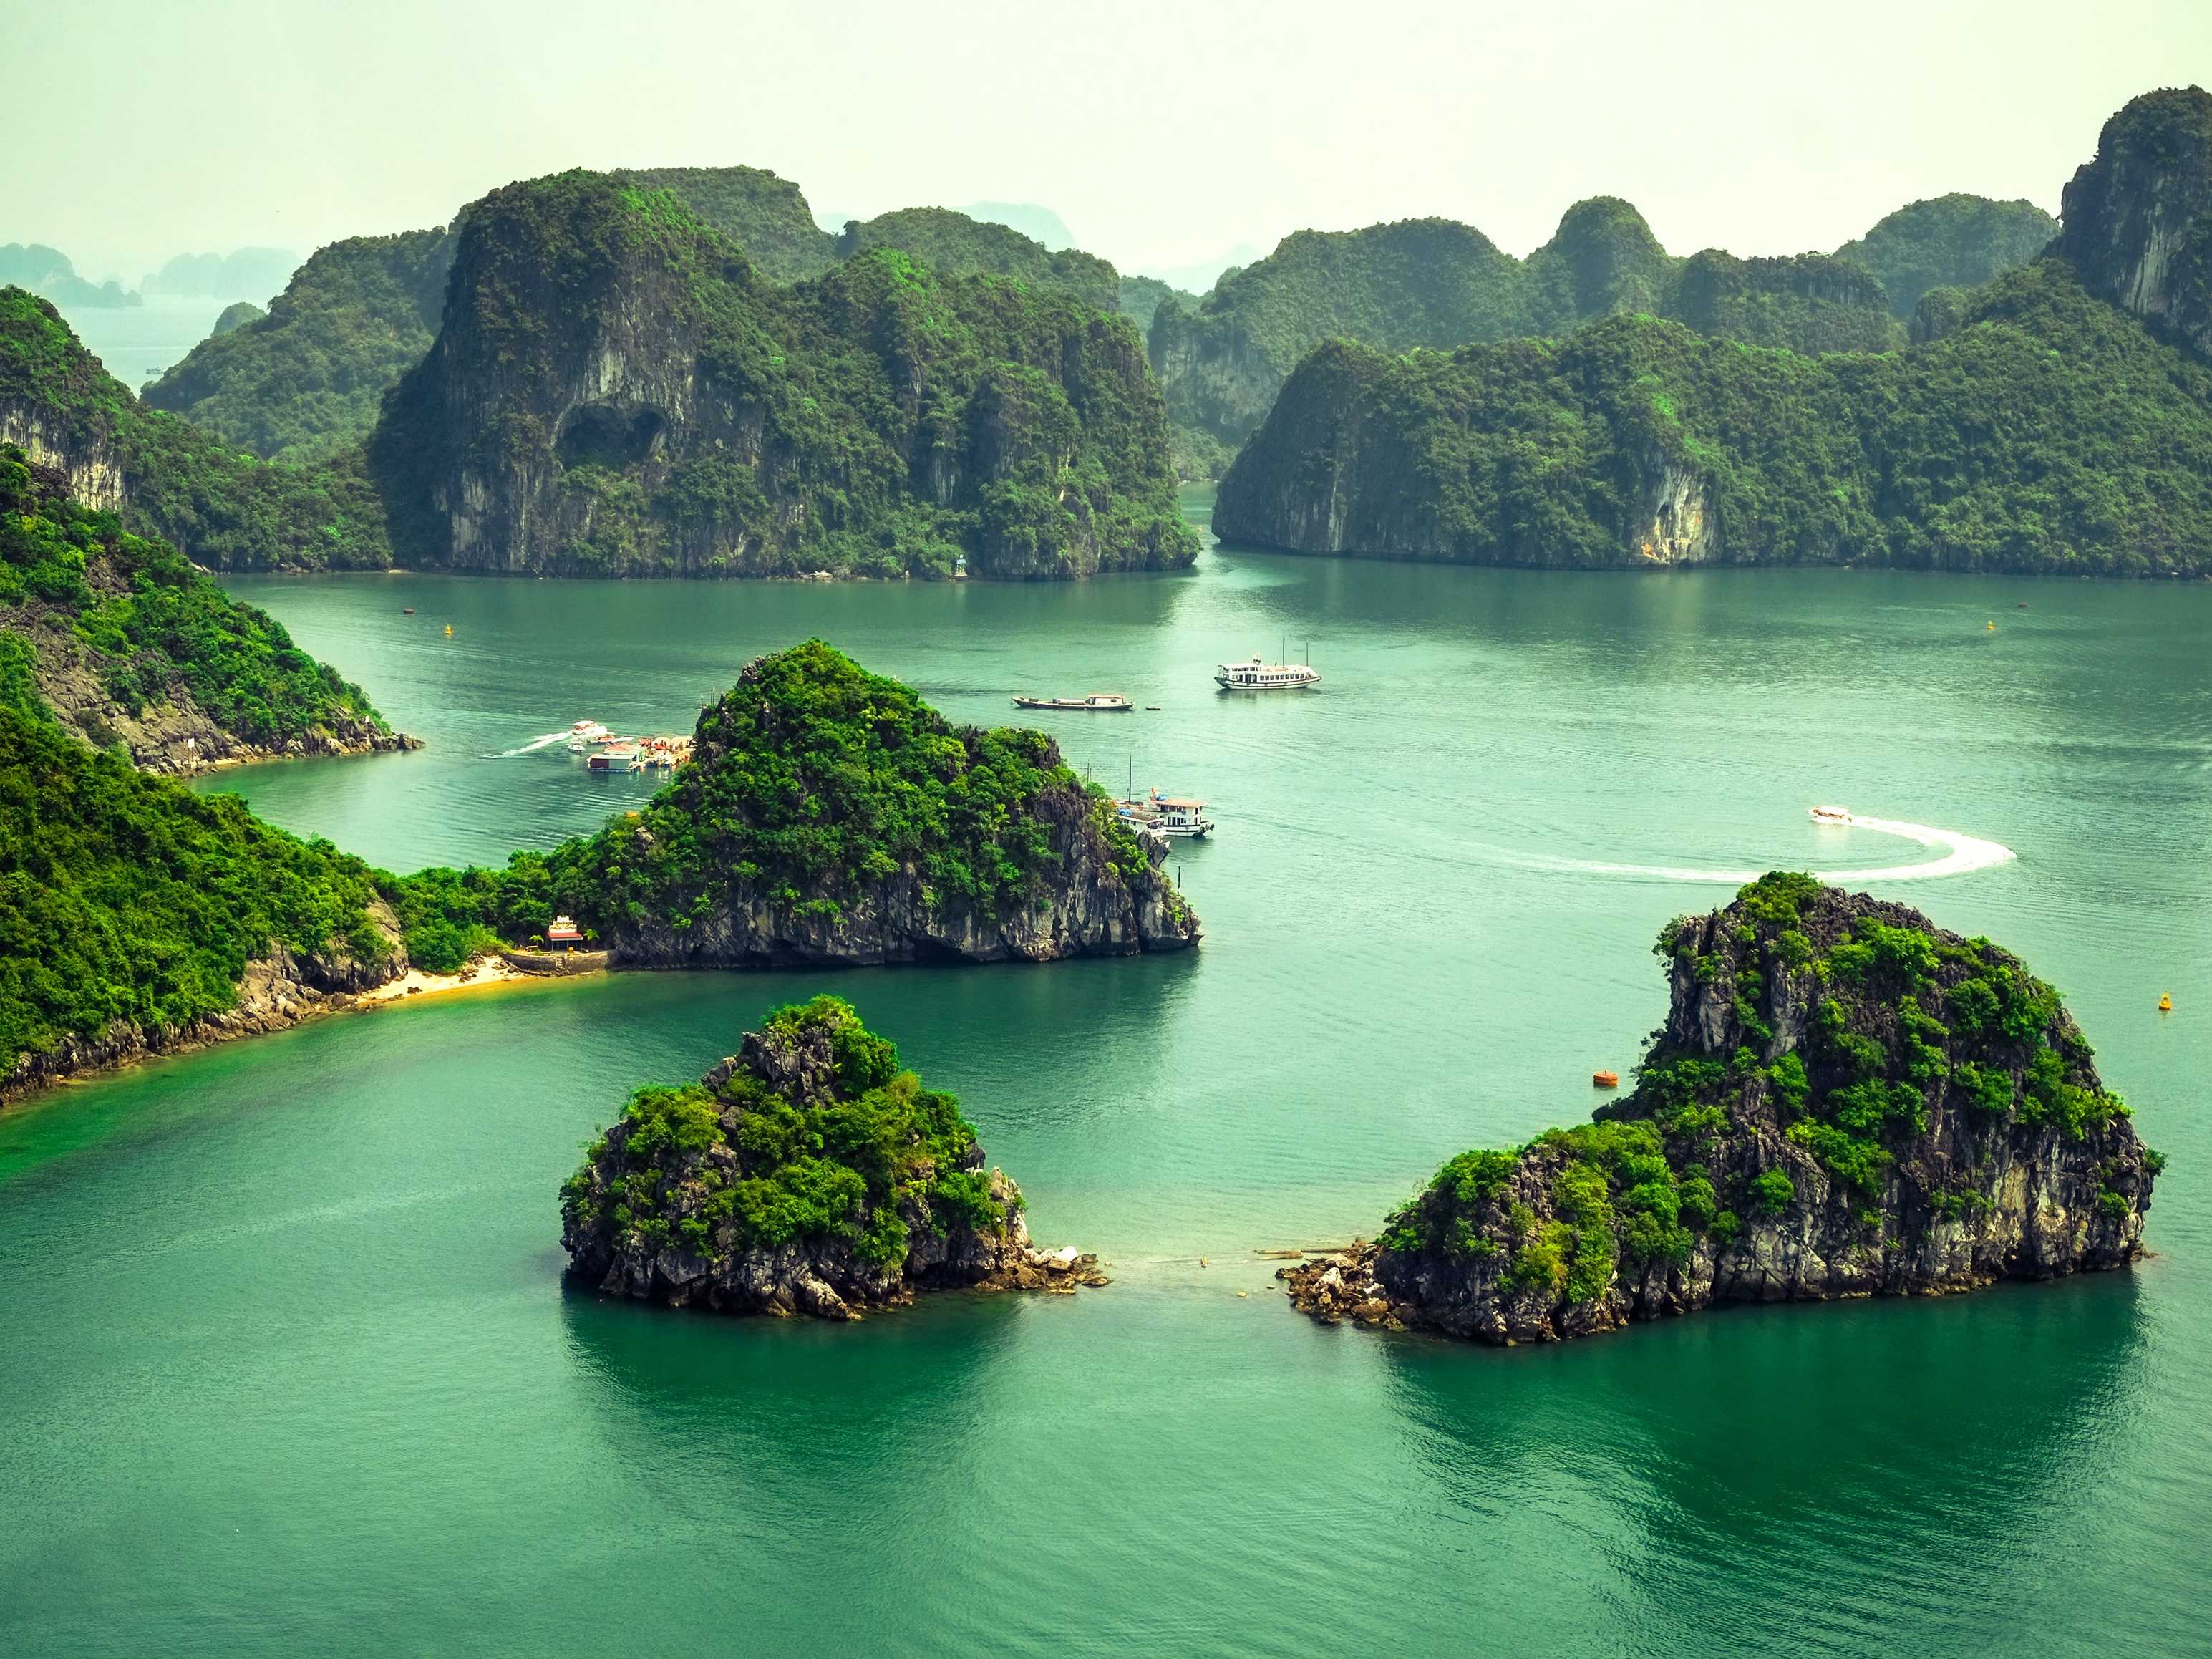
{"x":1844,"y":1101}
{"x":279,"y":991}
{"x":174,"y":738}
{"x":806,"y":1173}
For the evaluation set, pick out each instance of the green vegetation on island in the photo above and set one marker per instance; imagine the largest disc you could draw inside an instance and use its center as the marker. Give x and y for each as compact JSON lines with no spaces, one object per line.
{"x":306,"y":381}
{"x":130,"y":907}
{"x":765,"y":216}
{"x":826,"y":810}
{"x":829,"y":815}
{"x":1437,"y":284}
{"x":846,"y":1161}
{"x":881,"y":420}
{"x":953,"y":245}
{"x":1139,"y":299}
{"x":1844,"y":1099}
{"x":2048,"y":431}
{"x":218,"y":505}
{"x":1949,"y":241}
{"x":808,"y":1173}
{"x":119,"y":624}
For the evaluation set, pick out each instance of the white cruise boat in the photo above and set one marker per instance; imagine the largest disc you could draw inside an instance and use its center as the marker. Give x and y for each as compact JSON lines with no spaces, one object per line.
{"x":1831,"y":815}
{"x":584,"y":733}
{"x":1260,"y":675}
{"x":1167,"y":815}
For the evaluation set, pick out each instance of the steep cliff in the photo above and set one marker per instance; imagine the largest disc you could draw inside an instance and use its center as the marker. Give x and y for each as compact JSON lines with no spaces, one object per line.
{"x":2138,"y":217}
{"x":1949,"y":241}
{"x":1844,"y":1101}
{"x":830,"y":817}
{"x":614,"y":390}
{"x":2043,"y":430}
{"x":806,"y":1173}
{"x":308,"y":378}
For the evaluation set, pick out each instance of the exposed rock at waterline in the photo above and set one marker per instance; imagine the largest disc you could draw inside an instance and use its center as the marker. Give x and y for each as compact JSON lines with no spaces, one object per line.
{"x":1844,"y":1101}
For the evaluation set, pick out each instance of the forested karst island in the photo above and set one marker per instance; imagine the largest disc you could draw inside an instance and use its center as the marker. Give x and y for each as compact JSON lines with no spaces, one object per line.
{"x":1844,"y":1101}
{"x":808,"y":1173}
{"x":612,"y":388}
{"x":615,"y":390}
{"x":1437,"y":284}
{"x":829,"y":817}
{"x":2058,"y":418}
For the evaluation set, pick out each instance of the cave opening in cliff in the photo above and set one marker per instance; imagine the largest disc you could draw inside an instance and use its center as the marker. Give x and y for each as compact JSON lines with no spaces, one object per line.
{"x":609,"y":435}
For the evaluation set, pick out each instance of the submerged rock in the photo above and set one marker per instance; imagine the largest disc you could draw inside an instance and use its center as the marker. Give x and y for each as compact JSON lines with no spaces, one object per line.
{"x":1844,"y":1101}
{"x":807,"y":1174}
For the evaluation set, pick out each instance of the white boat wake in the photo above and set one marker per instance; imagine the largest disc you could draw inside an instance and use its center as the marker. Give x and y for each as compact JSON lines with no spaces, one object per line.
{"x":534,"y":745}
{"x":1961,"y":852}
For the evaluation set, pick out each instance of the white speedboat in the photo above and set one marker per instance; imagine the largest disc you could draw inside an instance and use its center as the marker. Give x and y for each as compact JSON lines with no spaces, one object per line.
{"x":584,"y":733}
{"x":1831,"y":815}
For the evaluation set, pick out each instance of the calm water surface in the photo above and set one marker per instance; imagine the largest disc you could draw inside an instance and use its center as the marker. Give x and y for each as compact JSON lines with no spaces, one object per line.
{"x":290,"y":1367}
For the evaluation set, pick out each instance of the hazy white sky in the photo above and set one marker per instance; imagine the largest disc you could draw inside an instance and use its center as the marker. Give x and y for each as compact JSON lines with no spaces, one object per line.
{"x":135,"y":129}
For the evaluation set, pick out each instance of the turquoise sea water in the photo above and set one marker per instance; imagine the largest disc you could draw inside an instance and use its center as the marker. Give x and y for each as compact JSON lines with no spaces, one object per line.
{"x":290,"y":1367}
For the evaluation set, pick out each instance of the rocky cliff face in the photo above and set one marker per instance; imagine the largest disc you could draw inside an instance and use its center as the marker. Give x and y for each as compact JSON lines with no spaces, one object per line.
{"x":699,"y":1197}
{"x":1844,"y":1101}
{"x":1089,"y":905}
{"x":2138,"y":218}
{"x":615,"y":390}
{"x":87,"y":458}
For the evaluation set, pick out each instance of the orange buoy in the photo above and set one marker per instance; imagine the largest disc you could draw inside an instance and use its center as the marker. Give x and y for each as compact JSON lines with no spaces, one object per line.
{"x":1605,"y":1079}
{"x":2166,"y":1004}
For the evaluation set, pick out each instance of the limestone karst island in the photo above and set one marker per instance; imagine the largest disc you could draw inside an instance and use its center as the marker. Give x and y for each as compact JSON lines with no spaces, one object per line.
{"x":1200,"y":831}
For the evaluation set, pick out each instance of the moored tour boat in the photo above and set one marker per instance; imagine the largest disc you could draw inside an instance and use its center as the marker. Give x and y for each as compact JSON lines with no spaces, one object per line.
{"x":1258,"y":675}
{"x":1167,"y":815}
{"x":616,"y":757}
{"x":1098,"y":702}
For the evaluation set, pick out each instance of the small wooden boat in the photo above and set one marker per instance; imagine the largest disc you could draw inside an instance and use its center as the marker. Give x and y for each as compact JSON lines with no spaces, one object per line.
{"x":1098,"y":702}
{"x":1605,"y":1079}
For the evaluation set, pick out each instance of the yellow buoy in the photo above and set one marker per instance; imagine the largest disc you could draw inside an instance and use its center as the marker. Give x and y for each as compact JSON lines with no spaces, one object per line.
{"x":1993,"y":629}
{"x":449,"y":630}
{"x":2166,"y":1004}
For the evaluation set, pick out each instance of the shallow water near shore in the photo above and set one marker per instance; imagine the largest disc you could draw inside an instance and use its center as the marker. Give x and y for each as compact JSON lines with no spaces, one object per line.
{"x":291,"y":1367}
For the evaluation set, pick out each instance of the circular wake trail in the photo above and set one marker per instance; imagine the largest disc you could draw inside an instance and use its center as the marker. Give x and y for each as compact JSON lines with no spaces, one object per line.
{"x":1961,"y":852}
